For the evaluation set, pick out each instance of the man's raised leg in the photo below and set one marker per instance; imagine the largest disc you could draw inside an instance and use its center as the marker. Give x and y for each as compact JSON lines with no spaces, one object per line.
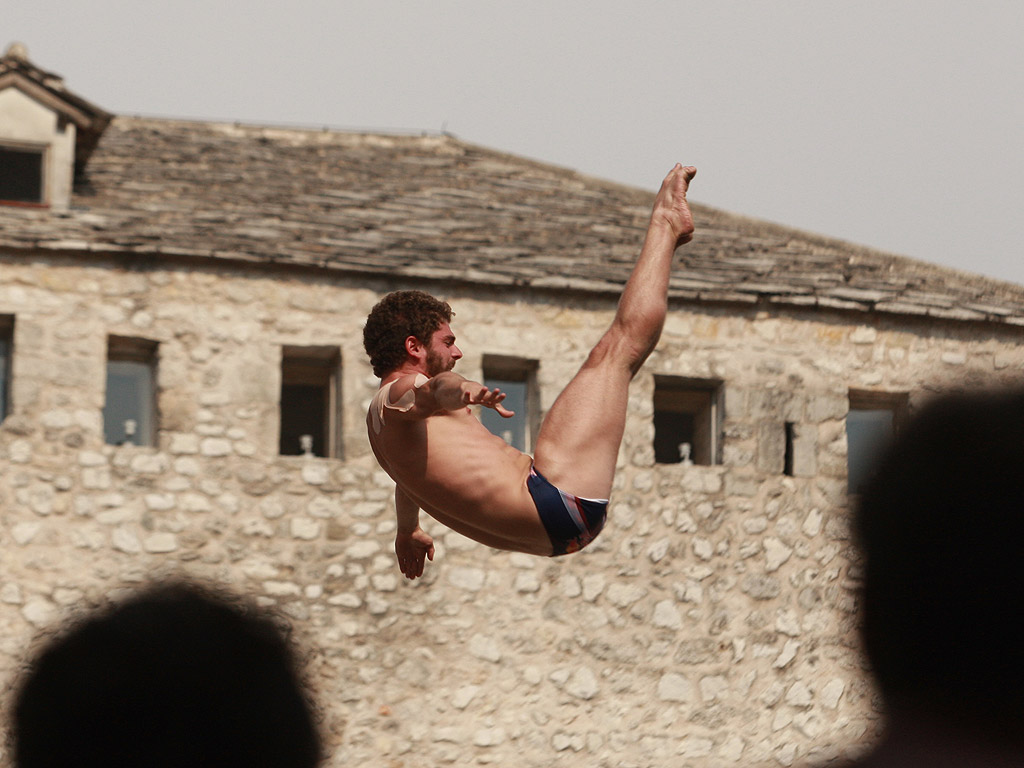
{"x":579,"y":440}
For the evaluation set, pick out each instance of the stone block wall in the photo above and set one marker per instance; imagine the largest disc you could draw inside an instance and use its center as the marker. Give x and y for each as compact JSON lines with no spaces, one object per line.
{"x":713,"y":623}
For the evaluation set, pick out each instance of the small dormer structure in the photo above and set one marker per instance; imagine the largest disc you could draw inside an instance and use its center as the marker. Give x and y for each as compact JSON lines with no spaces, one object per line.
{"x":46,"y":133}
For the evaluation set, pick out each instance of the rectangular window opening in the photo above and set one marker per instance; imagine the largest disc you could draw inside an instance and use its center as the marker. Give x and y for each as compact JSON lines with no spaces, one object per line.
{"x":873,"y":420}
{"x":310,"y":402}
{"x":787,"y":463}
{"x":517,"y":378}
{"x":6,"y":349}
{"x":129,"y":409}
{"x":21,"y":175}
{"x":687,"y":420}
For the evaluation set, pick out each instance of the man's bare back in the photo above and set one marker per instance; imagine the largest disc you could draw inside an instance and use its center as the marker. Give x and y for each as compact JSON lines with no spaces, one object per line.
{"x":444,"y":461}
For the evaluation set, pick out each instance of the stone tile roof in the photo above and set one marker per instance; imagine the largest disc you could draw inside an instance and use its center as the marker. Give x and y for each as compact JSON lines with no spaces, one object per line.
{"x":438,"y":208}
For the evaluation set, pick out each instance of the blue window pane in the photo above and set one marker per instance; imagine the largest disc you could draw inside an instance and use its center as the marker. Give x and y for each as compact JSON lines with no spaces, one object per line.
{"x":867,"y":434}
{"x":128,"y":411}
{"x":512,"y":431}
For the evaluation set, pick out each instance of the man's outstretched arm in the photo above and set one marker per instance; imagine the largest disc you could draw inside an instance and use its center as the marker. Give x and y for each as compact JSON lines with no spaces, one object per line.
{"x":446,"y":392}
{"x":413,"y":545}
{"x":451,"y":391}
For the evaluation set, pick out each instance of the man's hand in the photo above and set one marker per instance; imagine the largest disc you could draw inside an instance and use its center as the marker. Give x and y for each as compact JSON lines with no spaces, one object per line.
{"x":413,"y":549}
{"x":478,"y":394}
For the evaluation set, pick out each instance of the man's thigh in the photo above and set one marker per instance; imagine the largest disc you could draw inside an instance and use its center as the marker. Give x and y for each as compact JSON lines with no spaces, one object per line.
{"x":578,"y":444}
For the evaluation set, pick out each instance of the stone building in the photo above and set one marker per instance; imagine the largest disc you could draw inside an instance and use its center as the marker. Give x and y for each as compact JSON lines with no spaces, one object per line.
{"x":184,"y":391}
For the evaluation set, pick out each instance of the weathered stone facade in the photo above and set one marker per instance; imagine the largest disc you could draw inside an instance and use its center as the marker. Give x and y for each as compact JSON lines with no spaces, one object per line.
{"x":713,"y":622}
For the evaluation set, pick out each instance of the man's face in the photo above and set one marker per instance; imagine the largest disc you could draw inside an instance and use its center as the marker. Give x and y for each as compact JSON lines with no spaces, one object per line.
{"x":442,"y":353}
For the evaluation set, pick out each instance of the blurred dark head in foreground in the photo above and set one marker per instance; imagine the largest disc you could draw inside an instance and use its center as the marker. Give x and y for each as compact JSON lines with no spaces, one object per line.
{"x":941,"y":525}
{"x":178,"y":676}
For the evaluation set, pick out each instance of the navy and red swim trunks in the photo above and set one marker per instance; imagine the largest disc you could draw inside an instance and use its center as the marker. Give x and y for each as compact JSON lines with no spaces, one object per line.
{"x":572,"y":522}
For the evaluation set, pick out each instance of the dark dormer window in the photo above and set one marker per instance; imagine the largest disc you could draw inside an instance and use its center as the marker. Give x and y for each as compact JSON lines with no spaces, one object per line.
{"x":21,"y":175}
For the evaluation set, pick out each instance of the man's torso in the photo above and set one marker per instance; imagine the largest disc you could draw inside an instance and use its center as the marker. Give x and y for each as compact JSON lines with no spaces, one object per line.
{"x":455,"y":469}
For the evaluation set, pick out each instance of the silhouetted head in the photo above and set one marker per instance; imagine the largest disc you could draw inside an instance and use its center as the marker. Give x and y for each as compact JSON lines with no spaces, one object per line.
{"x":941,"y":525}
{"x":175,"y":677}
{"x":395,"y":318}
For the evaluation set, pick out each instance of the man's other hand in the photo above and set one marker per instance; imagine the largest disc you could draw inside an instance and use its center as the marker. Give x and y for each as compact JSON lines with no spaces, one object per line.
{"x":413,"y":549}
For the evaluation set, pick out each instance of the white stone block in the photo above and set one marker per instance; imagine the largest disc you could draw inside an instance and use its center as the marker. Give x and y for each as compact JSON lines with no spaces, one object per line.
{"x":713,"y":688}
{"x":864,"y":335}
{"x":523,"y":561}
{"x":159,"y":502}
{"x":160,"y":542}
{"x":345,"y":600}
{"x":831,"y":692}
{"x":776,"y":553}
{"x":667,"y":616}
{"x":695,"y":746}
{"x":703,"y":548}
{"x":624,"y":595}
{"x":787,"y":654}
{"x":484,"y":648}
{"x":367,"y":509}
{"x":125,"y":540}
{"x":187,"y":466}
{"x":282,"y":588}
{"x":183,"y":444}
{"x":324,"y":507}
{"x":812,"y":523}
{"x":23,"y":533}
{"x":195,"y":502}
{"x":489,"y":737}
{"x":471,"y":579}
{"x":657,"y":551}
{"x":787,"y":622}
{"x":10,"y":593}
{"x":464,"y":696}
{"x":91,"y":459}
{"x":526,"y":583}
{"x":384,"y":582}
{"x":755,"y":525}
{"x":361,"y":550}
{"x":149,"y":464}
{"x":214,"y":447}
{"x":56,"y":420}
{"x":40,"y":612}
{"x":674,"y":687}
{"x":799,"y":695}
{"x":732,"y":749}
{"x":257,"y":527}
{"x":315,"y":473}
{"x":20,"y":452}
{"x":305,"y":528}
{"x":582,"y":684}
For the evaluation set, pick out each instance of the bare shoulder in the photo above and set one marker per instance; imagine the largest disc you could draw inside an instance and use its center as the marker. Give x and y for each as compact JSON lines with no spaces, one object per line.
{"x":403,"y":399}
{"x":401,"y":387}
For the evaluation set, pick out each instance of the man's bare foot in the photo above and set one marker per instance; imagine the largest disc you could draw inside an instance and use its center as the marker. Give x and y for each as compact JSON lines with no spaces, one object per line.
{"x":671,"y":207}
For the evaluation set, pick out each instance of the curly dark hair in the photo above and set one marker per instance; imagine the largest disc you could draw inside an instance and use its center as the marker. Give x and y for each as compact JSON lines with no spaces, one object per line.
{"x":395,"y":318}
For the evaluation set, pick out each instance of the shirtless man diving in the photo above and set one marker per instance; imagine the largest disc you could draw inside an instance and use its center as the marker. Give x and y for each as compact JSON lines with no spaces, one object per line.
{"x":445,"y":462}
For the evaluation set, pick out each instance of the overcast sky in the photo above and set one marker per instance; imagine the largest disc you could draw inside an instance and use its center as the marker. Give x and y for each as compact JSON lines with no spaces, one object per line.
{"x":890,"y":123}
